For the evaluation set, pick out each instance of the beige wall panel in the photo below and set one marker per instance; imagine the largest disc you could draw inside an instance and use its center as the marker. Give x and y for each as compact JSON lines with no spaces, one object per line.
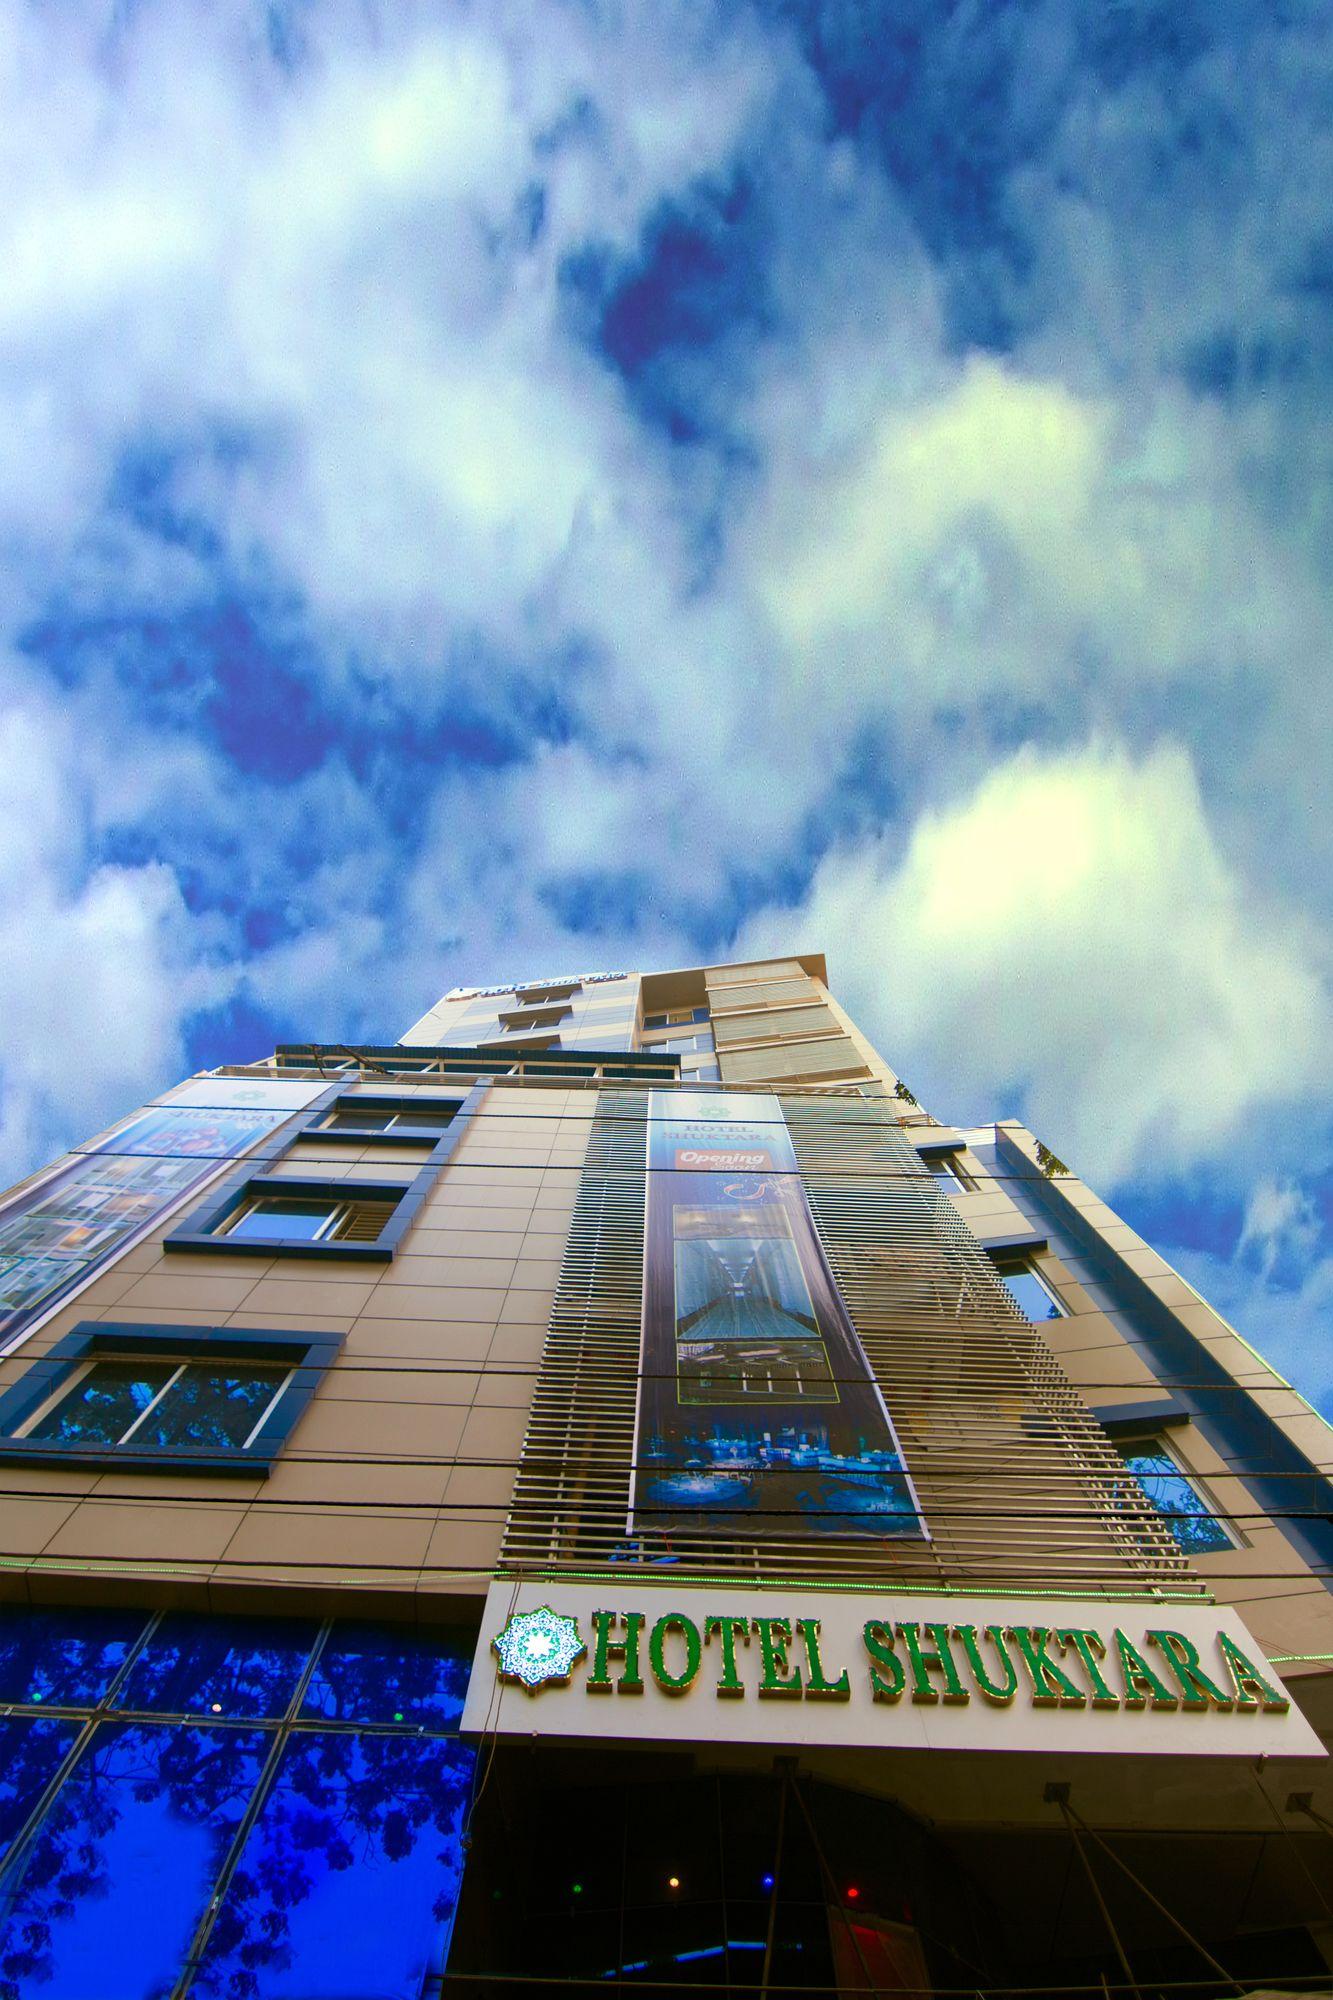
{"x":136,"y":1532}
{"x":454,"y":1340}
{"x":176,"y":1286}
{"x":418,"y":1267}
{"x":309,"y":1298}
{"x":451,"y":1302}
{"x":324,"y":1546}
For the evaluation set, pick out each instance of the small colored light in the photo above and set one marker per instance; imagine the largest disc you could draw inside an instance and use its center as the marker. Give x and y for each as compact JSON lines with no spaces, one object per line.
{"x":673,"y":1882}
{"x":852,"y":1893}
{"x":578,"y":1888}
{"x":217,"y":1708}
{"x":398,"y":1715}
{"x":768,"y":1881}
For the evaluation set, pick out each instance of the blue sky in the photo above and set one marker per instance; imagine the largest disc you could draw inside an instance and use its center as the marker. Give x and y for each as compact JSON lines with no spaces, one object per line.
{"x":493,"y":488}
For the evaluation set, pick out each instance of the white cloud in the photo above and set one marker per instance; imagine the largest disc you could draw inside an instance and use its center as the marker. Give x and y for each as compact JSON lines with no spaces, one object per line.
{"x":460,"y":507}
{"x":1286,"y":1324}
{"x":99,"y":968}
{"x":1068,"y":942}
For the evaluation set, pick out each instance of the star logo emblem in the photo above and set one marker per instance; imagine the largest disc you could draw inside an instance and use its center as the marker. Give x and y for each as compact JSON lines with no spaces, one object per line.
{"x":538,"y":1646}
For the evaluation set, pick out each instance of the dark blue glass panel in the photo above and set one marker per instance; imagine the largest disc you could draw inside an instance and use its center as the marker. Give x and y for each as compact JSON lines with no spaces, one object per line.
{"x":69,"y":1657}
{"x":349,"y":1881}
{"x":124,"y":1865}
{"x":219,"y":1666}
{"x":390,"y":1673}
{"x":104,"y":1403}
{"x":217,"y":1406}
{"x":30,"y":1754}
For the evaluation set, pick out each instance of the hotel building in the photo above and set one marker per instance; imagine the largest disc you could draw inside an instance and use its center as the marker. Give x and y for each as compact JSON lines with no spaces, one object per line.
{"x":610,"y":1492}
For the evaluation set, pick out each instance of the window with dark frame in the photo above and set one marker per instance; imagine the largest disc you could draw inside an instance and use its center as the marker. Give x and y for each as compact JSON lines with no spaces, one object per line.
{"x":338,"y":1217}
{"x":404,"y":1123}
{"x":161,"y":1403}
{"x":165,"y":1398}
{"x":946,"y":1168}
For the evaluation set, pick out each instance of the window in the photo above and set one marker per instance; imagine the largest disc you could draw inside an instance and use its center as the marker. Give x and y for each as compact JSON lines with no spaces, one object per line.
{"x":270,"y":1218}
{"x":528,"y":1019}
{"x":165,"y":1397}
{"x":530,"y":996}
{"x":277,"y":1213}
{"x":1034,"y":1298}
{"x":426,"y":1120}
{"x":219,"y":1405}
{"x":945,"y":1168}
{"x":1191,"y":1517}
{"x":679,"y":1017}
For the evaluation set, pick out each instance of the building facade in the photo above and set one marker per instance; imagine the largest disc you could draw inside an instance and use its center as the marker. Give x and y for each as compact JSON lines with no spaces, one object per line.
{"x":608,"y":1491}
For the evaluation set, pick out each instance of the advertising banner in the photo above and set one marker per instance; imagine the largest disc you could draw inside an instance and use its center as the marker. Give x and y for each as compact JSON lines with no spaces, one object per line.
{"x":758,"y":1412}
{"x":789,"y":1667}
{"x":57,"y":1234}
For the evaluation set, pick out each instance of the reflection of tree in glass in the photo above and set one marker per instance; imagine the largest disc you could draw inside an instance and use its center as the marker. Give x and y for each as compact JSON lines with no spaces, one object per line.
{"x":202,"y":1778}
{"x":385,"y":1808}
{"x":30,"y":1754}
{"x":63,"y":1656}
{"x":247,"y":1666}
{"x":368,"y":1674}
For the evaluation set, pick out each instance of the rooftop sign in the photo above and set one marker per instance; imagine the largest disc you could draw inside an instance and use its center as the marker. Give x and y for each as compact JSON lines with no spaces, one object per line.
{"x":651,"y":1662}
{"x":526,"y":985}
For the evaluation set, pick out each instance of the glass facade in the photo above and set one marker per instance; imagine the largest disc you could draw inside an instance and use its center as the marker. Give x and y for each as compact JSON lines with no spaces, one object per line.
{"x":229,"y":1808}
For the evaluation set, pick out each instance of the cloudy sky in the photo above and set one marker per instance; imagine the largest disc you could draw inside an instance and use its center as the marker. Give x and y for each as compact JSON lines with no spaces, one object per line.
{"x":489,"y":489}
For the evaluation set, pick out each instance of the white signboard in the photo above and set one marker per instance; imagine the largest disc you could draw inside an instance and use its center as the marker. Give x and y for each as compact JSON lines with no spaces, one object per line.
{"x":793,"y":1667}
{"x":238,"y":1093}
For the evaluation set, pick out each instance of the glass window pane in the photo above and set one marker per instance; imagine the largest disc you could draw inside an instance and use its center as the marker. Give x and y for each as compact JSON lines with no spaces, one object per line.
{"x":349,"y":1881}
{"x":1031,"y":1295}
{"x":1187,"y":1514}
{"x":216,"y":1406}
{"x":66,"y":1657}
{"x":385,"y":1673}
{"x":229,"y":1666}
{"x":124,"y":1864}
{"x":282,"y":1221}
{"x":434,"y":1120}
{"x":30,"y":1754}
{"x":102,"y":1405}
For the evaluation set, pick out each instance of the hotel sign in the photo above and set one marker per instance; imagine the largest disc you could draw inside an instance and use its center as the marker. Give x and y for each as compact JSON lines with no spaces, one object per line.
{"x":861,"y":1669}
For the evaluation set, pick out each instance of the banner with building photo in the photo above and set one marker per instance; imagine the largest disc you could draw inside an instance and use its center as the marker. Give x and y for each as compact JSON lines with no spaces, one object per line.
{"x":57,"y":1233}
{"x":758,"y":1412}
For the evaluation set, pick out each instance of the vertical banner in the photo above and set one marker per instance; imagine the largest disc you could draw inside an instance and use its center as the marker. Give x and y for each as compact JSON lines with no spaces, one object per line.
{"x":758,"y":1412}
{"x":56,"y":1234}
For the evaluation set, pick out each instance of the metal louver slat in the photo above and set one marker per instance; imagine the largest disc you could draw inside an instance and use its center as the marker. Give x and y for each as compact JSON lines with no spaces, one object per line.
{"x":1019,"y":1486}
{"x":364,"y":1222}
